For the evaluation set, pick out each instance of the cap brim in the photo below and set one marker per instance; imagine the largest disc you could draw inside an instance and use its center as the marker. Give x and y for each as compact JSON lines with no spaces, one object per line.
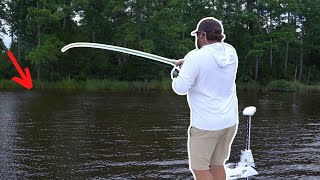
{"x":194,"y":32}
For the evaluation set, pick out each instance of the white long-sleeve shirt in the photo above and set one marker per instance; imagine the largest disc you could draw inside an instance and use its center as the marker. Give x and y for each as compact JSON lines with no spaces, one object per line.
{"x":208,"y":78}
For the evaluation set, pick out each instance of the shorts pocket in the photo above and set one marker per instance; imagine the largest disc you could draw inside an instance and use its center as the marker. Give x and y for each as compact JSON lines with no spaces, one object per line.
{"x":190,"y":131}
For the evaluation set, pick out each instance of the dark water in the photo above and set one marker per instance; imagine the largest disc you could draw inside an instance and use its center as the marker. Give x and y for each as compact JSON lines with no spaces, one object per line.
{"x":77,"y":135}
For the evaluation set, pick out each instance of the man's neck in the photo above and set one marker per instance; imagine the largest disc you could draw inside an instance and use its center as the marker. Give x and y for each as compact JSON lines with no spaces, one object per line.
{"x":210,"y":42}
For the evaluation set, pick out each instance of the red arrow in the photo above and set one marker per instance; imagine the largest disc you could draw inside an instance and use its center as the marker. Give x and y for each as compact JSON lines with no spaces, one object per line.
{"x":25,"y":80}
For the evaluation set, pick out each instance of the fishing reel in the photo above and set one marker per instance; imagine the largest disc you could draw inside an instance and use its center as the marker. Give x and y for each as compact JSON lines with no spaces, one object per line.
{"x":175,"y":72}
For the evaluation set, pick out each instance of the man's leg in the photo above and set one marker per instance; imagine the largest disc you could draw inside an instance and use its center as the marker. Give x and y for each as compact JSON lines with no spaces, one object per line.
{"x":222,"y":153}
{"x":203,"y":174}
{"x":218,"y":172}
{"x":201,"y":144}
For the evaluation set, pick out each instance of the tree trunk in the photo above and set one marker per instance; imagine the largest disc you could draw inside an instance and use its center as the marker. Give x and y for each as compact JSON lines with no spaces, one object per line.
{"x":39,"y":44}
{"x":19,"y":48}
{"x":271,"y":56}
{"x":270,"y":49}
{"x":39,"y":34}
{"x":256,"y":69}
{"x":19,"y":41}
{"x":301,"y":57}
{"x":138,"y":27}
{"x":308,"y":76}
{"x":38,"y":72}
{"x":286,"y":59}
{"x":64,"y":17}
{"x":94,"y":31}
{"x":119,"y":59}
{"x":289,"y":18}
{"x":295,"y":74}
{"x":64,"y":23}
{"x":279,"y":15}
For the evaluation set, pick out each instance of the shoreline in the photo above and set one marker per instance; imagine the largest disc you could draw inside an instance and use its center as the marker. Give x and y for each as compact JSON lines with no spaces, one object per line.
{"x":154,"y":85}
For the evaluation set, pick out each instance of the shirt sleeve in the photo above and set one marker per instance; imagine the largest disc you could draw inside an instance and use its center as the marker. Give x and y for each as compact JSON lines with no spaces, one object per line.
{"x":187,"y":75}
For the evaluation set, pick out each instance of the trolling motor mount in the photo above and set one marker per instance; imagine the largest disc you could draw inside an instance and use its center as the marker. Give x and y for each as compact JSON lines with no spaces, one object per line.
{"x":246,"y":167}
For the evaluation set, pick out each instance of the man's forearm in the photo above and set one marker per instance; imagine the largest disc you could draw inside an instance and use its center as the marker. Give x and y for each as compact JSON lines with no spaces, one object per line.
{"x":179,"y":86}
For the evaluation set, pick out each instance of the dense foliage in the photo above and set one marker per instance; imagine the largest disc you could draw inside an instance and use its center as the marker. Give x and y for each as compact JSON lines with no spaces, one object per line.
{"x":275,"y":39}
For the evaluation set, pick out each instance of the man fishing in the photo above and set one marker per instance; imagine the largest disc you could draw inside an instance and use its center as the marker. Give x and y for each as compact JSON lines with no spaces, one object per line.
{"x":207,"y":76}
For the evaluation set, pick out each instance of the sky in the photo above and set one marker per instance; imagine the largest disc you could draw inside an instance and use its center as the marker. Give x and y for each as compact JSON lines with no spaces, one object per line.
{"x":7,"y":40}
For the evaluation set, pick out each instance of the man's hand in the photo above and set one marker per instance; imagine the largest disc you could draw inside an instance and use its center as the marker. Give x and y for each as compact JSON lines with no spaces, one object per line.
{"x":175,"y":71}
{"x":180,"y":63}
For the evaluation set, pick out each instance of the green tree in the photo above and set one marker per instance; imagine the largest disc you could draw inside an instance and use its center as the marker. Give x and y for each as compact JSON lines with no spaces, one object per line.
{"x":310,"y":35}
{"x":44,"y":17}
{"x":17,"y":19}
{"x":263,"y":33}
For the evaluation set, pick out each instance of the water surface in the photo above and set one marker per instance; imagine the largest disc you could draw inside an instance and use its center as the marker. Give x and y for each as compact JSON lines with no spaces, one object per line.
{"x":97,"y":135}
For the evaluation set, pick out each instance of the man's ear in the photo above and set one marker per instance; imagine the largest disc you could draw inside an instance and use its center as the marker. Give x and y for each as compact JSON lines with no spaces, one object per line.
{"x":202,"y":35}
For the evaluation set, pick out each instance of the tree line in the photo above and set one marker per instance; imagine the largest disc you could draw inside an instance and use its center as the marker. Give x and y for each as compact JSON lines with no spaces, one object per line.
{"x":274,"y":39}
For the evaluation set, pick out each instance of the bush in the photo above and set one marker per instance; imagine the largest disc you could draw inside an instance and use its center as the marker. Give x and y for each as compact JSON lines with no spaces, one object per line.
{"x":281,"y":85}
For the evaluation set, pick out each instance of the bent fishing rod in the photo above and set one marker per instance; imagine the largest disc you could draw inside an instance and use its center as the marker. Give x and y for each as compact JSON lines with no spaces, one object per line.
{"x":121,"y":49}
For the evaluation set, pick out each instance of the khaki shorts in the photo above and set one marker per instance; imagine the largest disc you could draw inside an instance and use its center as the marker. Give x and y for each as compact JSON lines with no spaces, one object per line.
{"x":209,"y":147}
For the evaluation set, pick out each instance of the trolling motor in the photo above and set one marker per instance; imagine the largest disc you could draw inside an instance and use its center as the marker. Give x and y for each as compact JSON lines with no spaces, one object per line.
{"x":246,"y":167}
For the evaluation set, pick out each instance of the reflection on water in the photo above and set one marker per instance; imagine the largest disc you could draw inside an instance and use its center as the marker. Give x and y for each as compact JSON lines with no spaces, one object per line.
{"x":77,"y":135}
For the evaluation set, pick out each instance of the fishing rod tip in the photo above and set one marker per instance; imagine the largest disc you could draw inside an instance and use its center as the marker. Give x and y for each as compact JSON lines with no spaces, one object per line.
{"x":63,"y":49}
